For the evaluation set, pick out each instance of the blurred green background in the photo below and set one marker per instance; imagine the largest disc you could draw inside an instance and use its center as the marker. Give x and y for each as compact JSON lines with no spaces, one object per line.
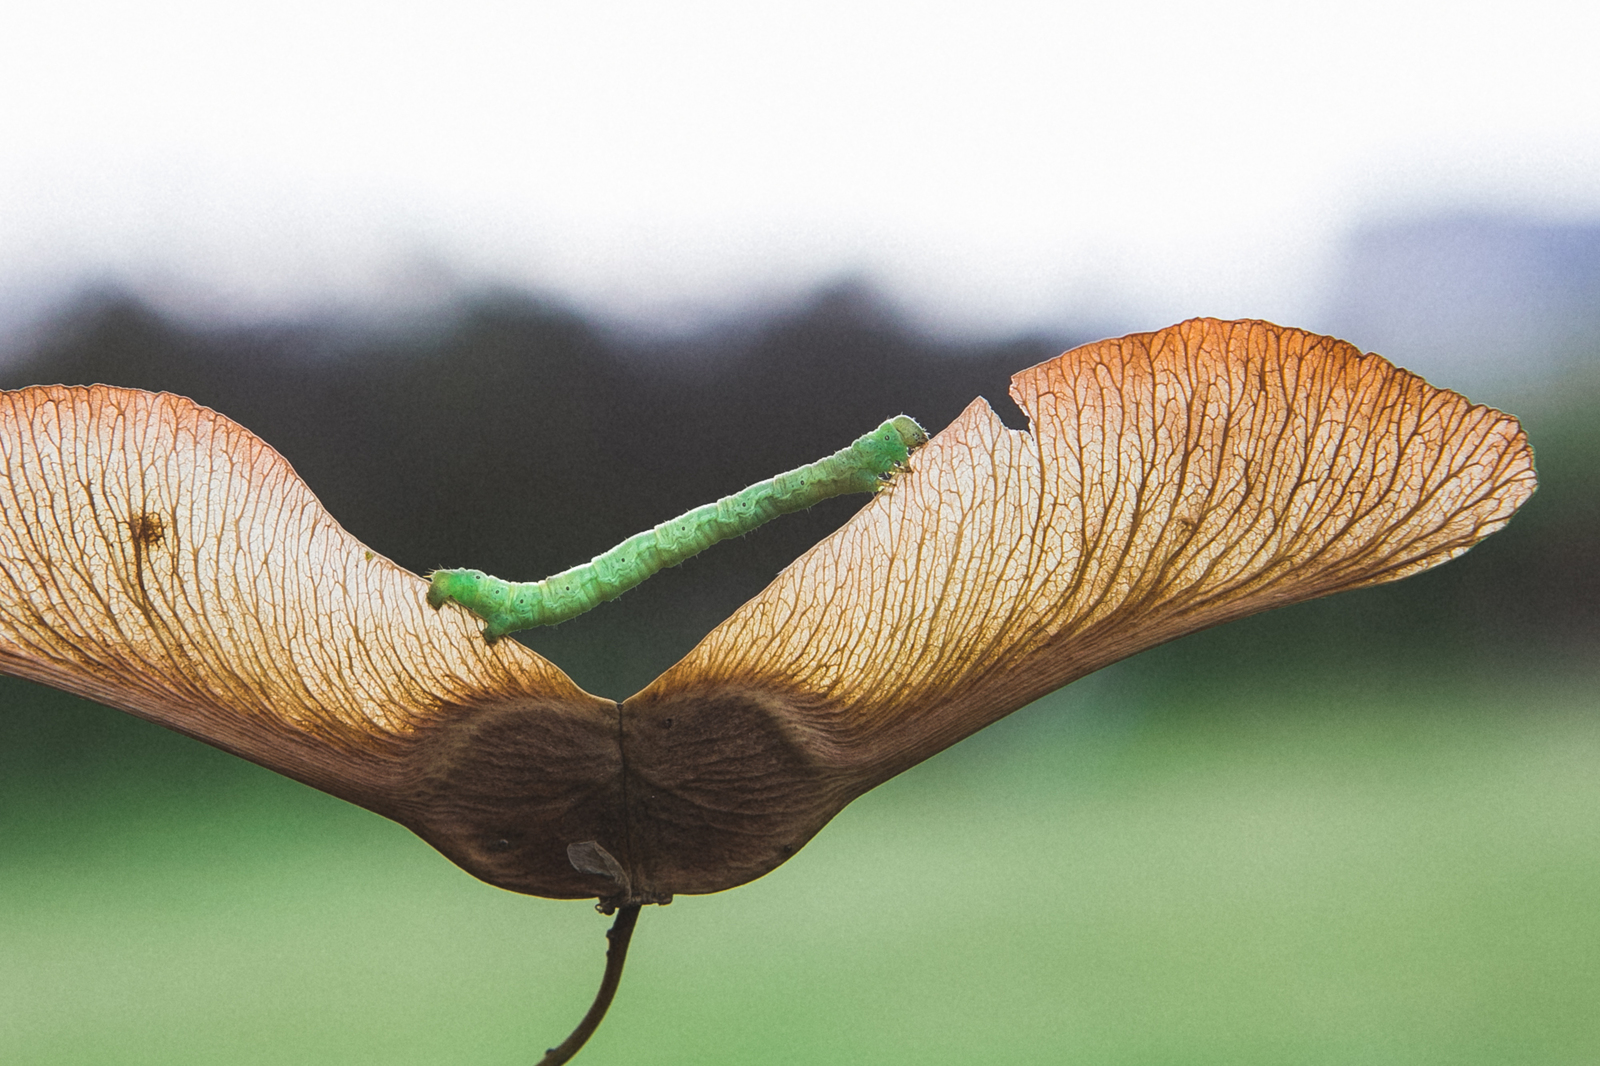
{"x":1360,"y":830}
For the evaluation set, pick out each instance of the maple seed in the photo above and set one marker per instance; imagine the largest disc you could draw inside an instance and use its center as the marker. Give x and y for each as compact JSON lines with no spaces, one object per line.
{"x":1168,"y":482}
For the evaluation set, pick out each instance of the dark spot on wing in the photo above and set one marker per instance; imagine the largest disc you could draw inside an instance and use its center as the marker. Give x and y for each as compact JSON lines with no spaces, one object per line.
{"x":146,"y":530}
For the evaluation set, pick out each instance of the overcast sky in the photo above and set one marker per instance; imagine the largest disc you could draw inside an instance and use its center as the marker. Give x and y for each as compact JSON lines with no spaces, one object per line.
{"x":992,"y":165}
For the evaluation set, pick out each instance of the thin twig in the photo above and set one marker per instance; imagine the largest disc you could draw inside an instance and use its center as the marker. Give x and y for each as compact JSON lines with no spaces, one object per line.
{"x":619,"y":934}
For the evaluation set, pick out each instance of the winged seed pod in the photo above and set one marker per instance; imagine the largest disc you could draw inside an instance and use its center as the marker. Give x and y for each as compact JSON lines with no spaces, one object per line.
{"x":161,"y":559}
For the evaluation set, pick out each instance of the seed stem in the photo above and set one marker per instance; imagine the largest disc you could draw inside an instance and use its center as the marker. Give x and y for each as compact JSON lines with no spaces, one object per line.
{"x":618,"y":935}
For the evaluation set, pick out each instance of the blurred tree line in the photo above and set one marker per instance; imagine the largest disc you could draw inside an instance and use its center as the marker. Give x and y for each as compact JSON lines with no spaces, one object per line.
{"x":516,"y":436}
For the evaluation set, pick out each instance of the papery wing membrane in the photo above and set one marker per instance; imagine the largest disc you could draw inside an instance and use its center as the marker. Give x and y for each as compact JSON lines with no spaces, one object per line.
{"x":161,"y":559}
{"x":1169,"y":481}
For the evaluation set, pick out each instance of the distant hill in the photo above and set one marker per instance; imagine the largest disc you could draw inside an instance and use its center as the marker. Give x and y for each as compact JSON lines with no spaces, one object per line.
{"x":515,"y":436}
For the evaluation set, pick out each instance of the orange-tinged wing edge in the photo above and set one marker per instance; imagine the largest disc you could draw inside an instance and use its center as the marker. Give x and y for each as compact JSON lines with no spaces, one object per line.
{"x":1169,"y":481}
{"x":157,"y":557}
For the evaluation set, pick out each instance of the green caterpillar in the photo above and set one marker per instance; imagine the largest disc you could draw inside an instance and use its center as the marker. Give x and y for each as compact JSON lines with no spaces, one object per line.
{"x":507,"y":607}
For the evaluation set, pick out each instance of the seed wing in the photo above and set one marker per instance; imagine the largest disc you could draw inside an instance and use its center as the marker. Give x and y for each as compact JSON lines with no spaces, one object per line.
{"x":1170,"y":481}
{"x":161,"y":559}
